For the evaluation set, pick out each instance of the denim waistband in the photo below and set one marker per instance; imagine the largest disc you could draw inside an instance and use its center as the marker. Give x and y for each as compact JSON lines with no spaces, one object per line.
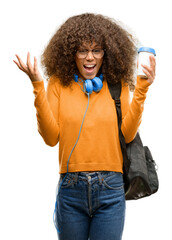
{"x":85,"y":175}
{"x":89,"y":173}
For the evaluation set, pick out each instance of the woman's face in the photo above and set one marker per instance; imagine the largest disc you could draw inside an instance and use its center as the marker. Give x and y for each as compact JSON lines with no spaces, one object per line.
{"x":89,"y":58}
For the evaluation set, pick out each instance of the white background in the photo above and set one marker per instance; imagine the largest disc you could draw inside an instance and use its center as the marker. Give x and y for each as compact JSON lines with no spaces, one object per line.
{"x":28,"y":167}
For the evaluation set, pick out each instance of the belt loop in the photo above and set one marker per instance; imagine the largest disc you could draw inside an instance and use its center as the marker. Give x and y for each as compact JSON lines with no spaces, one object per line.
{"x":100,"y":178}
{"x":75,"y":177}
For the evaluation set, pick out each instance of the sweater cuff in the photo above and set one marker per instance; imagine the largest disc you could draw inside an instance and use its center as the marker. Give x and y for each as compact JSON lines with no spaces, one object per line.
{"x":142,"y":84}
{"x":37,"y":87}
{"x":38,"y":84}
{"x":39,"y":92}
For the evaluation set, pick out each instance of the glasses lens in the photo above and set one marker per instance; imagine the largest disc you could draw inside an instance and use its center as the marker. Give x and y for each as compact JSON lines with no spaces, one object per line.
{"x":97,"y":53}
{"x":82,"y":53}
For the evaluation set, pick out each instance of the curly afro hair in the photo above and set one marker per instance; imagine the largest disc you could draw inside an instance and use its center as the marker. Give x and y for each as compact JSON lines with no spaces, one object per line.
{"x":119,"y":61}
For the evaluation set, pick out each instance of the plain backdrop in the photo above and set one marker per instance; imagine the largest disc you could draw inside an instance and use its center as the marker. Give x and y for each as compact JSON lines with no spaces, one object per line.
{"x":28,"y":167}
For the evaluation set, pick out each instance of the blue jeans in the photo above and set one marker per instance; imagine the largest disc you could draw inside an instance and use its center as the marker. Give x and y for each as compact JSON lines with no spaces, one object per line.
{"x":90,"y":206}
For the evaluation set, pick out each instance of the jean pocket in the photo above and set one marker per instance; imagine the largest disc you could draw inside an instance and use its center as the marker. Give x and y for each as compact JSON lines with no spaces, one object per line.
{"x":66,"y":181}
{"x":114,"y":182}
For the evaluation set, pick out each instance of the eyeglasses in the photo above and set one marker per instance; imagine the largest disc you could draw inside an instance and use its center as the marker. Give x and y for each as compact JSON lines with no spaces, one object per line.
{"x":83,"y":53}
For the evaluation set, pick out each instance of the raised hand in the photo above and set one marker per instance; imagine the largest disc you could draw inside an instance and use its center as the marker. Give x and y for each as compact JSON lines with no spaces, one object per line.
{"x":150,"y":71}
{"x":31,"y":70}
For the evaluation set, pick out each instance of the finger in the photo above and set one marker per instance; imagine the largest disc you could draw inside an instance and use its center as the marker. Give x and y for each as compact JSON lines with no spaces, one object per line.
{"x":21,"y":64}
{"x":149,"y":76}
{"x":150,"y":72}
{"x":150,"y":69}
{"x":35,"y":64}
{"x":147,"y":73}
{"x":147,"y":68}
{"x":17,"y":64}
{"x":152,"y":62}
{"x":29,"y":62}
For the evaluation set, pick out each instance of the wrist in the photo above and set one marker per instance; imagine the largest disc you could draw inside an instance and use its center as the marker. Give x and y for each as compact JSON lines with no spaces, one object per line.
{"x":37,"y":84}
{"x":142,"y":83}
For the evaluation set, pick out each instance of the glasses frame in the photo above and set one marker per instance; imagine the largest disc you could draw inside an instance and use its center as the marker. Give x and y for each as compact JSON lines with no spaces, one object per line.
{"x":91,"y":50}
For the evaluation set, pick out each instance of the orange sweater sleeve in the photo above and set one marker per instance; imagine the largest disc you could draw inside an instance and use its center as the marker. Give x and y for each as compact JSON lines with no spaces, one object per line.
{"x":46,"y":103}
{"x":132,"y":112}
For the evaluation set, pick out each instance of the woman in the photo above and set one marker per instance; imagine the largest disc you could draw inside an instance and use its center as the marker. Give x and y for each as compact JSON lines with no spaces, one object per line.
{"x":90,"y":200}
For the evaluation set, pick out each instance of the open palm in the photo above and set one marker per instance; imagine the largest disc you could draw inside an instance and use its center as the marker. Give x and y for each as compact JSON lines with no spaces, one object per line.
{"x":31,"y":70}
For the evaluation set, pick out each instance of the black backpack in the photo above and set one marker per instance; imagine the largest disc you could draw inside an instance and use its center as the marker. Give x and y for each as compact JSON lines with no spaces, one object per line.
{"x":139,"y":168}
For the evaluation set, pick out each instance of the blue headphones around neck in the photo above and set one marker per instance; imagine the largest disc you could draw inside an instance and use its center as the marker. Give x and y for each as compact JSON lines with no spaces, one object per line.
{"x":91,"y":85}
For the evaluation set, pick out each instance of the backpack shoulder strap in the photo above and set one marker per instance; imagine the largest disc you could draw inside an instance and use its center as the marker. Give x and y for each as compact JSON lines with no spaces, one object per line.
{"x":115,"y":91}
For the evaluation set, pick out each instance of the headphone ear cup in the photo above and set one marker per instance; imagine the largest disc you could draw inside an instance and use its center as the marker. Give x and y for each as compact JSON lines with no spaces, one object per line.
{"x":88,"y":86}
{"x":97,"y":84}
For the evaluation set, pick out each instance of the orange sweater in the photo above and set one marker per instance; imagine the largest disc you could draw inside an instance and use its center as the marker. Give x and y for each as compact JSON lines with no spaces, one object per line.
{"x":60,"y":111}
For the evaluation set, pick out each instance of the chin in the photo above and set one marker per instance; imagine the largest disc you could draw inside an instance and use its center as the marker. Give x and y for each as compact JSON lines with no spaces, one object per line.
{"x":91,"y":76}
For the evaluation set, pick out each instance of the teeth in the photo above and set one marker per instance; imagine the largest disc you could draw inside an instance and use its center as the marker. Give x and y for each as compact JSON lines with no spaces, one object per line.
{"x":89,"y":66}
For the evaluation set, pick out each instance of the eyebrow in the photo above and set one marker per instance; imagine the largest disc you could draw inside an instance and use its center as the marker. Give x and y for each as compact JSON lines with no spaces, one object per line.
{"x":86,"y":46}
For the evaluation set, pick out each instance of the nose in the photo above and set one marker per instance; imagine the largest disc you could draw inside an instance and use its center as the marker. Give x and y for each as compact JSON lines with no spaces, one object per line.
{"x":90,"y":56}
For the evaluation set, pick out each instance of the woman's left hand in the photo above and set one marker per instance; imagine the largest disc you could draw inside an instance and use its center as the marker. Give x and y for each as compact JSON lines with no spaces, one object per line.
{"x":150,"y":71}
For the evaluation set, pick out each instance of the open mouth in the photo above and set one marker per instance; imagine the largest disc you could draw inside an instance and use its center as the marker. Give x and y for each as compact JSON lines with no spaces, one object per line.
{"x":89,"y":67}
